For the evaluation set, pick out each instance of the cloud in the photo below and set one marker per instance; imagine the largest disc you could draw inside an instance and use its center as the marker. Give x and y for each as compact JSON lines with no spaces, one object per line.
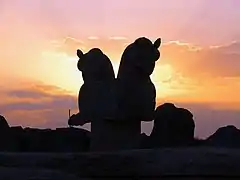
{"x":68,"y":45}
{"x":112,"y":46}
{"x":230,"y":48}
{"x":38,"y":106}
{"x":93,"y":37}
{"x":59,"y":102}
{"x":46,"y":106}
{"x":191,"y":60}
{"x":117,"y":38}
{"x":51,"y":118}
{"x":188,"y":59}
{"x":40,"y":99}
{"x":184,"y":71}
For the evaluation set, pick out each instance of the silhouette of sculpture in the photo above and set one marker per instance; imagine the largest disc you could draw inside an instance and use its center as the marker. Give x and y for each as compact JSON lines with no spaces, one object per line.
{"x":77,"y":120}
{"x":96,"y":97}
{"x":135,"y":91}
{"x":172,"y":126}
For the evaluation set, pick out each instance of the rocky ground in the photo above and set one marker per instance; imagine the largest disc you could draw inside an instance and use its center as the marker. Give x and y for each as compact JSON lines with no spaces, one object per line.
{"x":137,"y":163}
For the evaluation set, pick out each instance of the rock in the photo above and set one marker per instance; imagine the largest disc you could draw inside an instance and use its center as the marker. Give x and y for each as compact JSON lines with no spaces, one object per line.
{"x":172,"y":126}
{"x":5,"y":141}
{"x":71,"y":140}
{"x":228,"y":136}
{"x":3,"y":124}
{"x":187,"y":162}
{"x":18,"y":139}
{"x":10,"y":173}
{"x":47,"y":140}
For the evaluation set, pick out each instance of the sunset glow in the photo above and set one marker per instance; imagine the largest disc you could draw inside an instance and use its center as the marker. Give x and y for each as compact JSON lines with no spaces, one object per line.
{"x":198,"y":67}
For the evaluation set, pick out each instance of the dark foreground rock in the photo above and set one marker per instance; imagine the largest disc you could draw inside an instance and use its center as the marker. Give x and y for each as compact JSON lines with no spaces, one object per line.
{"x":136,"y":163}
{"x":228,"y":136}
{"x":34,"y":174}
{"x":17,"y":139}
{"x":3,"y":123}
{"x":173,"y":127}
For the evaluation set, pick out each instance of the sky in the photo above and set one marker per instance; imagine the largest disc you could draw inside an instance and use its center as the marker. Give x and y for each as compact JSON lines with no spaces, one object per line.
{"x":198,"y":68}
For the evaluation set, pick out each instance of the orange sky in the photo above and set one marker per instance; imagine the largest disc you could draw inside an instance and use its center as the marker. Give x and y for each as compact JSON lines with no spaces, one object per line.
{"x":198,"y":68}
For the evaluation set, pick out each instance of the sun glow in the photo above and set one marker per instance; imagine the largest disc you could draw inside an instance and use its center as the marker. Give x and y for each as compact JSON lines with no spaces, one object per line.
{"x":115,"y":65}
{"x":161,"y":78}
{"x":67,"y":76}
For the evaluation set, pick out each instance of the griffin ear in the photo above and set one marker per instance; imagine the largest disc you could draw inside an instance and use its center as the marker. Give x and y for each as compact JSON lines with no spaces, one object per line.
{"x":79,"y":53}
{"x":157,"y":43}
